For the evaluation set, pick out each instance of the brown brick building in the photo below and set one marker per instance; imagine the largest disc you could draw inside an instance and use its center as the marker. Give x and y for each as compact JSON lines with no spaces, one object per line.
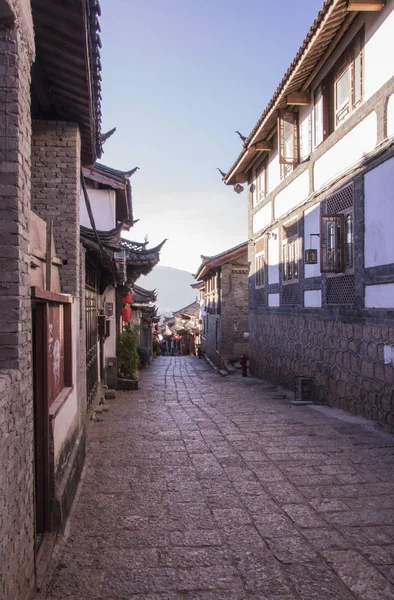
{"x":224,"y":310}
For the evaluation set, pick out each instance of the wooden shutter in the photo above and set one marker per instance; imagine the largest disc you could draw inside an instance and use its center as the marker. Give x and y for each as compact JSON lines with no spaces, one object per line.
{"x":288,"y":138}
{"x":332,"y":243}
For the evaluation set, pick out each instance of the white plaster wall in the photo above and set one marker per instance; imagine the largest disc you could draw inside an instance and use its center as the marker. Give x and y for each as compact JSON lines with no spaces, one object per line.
{"x":345,"y":153}
{"x":110,"y":342}
{"x":273,"y":257}
{"x":379,"y":203}
{"x":68,"y":413}
{"x":390,"y":116}
{"x":262,"y":218}
{"x":273,"y":300}
{"x":379,"y":46}
{"x":295,"y":193}
{"x":63,"y":421}
{"x":312,"y":298}
{"x":305,"y":116}
{"x":103,"y":209}
{"x":312,"y":225}
{"x":379,"y":296}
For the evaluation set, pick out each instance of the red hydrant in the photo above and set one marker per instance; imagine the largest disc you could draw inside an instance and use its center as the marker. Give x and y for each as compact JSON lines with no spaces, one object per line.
{"x":244,"y":365}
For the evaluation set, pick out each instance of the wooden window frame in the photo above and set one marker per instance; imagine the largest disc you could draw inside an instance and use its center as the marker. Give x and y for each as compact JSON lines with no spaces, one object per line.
{"x":260,"y":269}
{"x":262,"y":187}
{"x":290,"y":259}
{"x":338,"y":262}
{"x":288,"y":163}
{"x":351,"y":61}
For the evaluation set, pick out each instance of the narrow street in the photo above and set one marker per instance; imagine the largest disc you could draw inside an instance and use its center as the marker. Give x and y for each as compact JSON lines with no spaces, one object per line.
{"x":202,"y":487}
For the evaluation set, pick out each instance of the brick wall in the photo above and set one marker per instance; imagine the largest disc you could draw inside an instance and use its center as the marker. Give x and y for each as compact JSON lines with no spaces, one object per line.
{"x":55,"y":194}
{"x":80,"y":326}
{"x":16,"y":392}
{"x":235,"y":311}
{"x":224,"y":333}
{"x":346,"y":360}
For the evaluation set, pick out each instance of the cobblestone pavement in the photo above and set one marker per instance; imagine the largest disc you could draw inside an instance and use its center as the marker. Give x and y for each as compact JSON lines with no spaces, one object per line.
{"x":201,"y":487}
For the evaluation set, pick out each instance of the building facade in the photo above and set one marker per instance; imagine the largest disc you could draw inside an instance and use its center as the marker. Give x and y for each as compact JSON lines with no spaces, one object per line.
{"x":224,"y":309}
{"x":319,"y":165}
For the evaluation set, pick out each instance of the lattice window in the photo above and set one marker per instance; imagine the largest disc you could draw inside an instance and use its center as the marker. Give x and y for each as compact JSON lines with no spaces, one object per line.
{"x":260,"y":245}
{"x":288,"y":141}
{"x":290,"y":230}
{"x":341,"y":200}
{"x":260,"y":264}
{"x":340,"y":290}
{"x":291,"y":294}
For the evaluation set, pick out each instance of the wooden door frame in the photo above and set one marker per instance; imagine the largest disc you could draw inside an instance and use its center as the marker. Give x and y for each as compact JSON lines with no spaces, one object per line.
{"x":41,"y":421}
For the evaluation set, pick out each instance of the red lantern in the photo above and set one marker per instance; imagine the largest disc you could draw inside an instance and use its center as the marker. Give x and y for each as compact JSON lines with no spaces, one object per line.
{"x":128,"y":298}
{"x":126,"y":314}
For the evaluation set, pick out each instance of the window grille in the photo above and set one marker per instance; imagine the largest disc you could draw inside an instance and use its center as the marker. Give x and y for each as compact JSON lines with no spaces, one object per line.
{"x":341,"y":200}
{"x":291,"y":294}
{"x":340,"y":290}
{"x":289,"y":230}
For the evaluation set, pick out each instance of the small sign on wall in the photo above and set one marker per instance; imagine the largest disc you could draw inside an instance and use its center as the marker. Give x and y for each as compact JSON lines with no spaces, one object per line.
{"x":311,"y":257}
{"x":109,"y":309}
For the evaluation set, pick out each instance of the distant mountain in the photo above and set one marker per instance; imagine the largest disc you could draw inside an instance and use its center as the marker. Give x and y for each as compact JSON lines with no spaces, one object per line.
{"x":173,"y":288}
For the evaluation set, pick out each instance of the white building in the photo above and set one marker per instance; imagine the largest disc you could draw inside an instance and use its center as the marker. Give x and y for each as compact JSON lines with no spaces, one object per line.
{"x":320,"y":168}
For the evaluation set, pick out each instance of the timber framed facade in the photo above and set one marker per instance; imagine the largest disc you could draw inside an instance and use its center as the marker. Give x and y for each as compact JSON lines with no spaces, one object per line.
{"x":321,"y":286}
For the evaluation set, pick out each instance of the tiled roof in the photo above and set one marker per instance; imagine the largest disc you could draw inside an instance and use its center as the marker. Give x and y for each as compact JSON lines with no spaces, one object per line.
{"x":68,"y":49}
{"x":192,"y":309}
{"x":209,"y":262}
{"x":321,"y":37}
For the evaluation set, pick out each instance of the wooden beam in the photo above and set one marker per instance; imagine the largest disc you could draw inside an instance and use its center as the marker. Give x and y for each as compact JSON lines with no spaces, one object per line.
{"x":298,"y":99}
{"x":366,"y":5}
{"x":241,"y":178}
{"x":263,"y":146}
{"x":342,"y":30}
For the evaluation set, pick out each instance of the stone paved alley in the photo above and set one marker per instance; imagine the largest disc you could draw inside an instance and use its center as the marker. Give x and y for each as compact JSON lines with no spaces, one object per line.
{"x":202,"y":487}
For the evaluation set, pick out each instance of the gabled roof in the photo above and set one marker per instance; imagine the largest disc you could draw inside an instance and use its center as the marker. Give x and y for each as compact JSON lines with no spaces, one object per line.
{"x":141,"y":295}
{"x":191,"y":310}
{"x":119,"y":181}
{"x":66,"y":77}
{"x":140,"y":261}
{"x":210,"y":262}
{"x":331,"y":23}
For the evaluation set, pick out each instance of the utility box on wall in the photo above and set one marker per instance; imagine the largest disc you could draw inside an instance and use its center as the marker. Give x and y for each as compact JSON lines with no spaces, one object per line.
{"x":111,"y":371}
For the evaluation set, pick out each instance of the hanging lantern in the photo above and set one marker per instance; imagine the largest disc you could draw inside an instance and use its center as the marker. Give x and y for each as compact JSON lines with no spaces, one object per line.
{"x":128,"y":298}
{"x":126,"y":314}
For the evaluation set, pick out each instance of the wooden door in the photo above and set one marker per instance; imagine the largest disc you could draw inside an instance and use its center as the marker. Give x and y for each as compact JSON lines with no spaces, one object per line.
{"x":41,"y":418}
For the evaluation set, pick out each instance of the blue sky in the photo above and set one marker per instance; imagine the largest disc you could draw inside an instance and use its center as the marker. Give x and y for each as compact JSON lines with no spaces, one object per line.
{"x":179,"y":77}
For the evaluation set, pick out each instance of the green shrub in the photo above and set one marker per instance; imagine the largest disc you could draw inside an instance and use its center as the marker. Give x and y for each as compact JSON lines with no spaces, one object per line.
{"x":126,"y":351}
{"x":143,"y":354}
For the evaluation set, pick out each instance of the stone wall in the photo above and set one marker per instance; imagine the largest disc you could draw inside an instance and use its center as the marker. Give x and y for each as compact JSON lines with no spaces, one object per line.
{"x":56,"y":168}
{"x":211,"y":344}
{"x":16,"y":391}
{"x":346,"y":359}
